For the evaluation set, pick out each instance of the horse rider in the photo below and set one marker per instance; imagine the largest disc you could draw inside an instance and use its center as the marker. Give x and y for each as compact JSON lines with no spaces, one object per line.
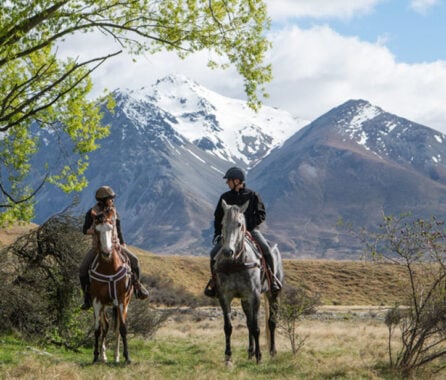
{"x":254,"y":215}
{"x":105,"y":199}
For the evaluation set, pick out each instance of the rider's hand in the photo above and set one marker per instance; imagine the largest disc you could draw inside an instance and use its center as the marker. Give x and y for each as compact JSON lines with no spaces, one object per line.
{"x":90,"y":231}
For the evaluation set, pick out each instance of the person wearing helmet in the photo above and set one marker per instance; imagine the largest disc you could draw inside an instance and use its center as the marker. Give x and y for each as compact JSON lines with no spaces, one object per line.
{"x":105,"y":199}
{"x":254,"y":215}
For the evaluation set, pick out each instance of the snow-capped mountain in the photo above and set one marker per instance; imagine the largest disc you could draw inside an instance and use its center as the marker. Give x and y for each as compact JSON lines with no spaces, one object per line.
{"x":165,"y":157}
{"x":354,"y":163}
{"x":171,"y":143}
{"x":221,"y":126}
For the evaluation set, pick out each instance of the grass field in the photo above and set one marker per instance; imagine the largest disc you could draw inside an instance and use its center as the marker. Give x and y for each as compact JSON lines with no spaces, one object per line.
{"x":347,"y":339}
{"x":190,"y":346}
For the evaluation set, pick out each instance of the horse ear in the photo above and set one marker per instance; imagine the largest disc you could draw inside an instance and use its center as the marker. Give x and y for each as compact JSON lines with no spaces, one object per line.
{"x":224,"y":205}
{"x":244,"y":207}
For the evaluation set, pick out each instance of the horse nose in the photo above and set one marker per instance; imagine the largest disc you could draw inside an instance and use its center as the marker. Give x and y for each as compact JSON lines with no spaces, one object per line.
{"x":228,"y":252}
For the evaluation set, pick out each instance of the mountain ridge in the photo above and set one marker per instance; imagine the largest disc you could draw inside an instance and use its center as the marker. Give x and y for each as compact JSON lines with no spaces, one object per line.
{"x":354,"y":163}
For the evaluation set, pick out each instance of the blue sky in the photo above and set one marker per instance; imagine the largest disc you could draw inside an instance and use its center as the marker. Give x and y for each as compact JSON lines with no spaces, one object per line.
{"x":411,"y":34}
{"x":325,"y":52}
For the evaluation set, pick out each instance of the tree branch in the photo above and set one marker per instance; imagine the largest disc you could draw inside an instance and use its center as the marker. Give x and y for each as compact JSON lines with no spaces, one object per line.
{"x":16,"y":202}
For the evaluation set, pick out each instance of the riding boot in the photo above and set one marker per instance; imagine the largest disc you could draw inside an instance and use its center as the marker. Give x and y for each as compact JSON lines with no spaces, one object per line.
{"x":211,"y":286}
{"x":85,"y":285}
{"x":276,"y":286}
{"x":140,"y":291}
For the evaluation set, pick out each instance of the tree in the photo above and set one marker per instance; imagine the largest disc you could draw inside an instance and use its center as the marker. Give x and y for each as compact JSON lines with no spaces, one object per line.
{"x":38,"y":89}
{"x":420,"y":247}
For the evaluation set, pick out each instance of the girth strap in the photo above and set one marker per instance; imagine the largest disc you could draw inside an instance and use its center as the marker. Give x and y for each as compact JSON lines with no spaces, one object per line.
{"x":236,"y":267}
{"x":111,"y":280}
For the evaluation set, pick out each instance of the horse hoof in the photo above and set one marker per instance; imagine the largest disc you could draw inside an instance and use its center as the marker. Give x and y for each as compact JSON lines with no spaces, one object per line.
{"x":228,"y":364}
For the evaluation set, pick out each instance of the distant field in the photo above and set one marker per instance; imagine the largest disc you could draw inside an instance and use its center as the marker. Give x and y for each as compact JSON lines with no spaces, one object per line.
{"x":337,"y":282}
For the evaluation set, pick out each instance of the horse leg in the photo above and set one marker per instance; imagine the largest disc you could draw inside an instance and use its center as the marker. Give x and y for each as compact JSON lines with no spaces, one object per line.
{"x":251,"y":309}
{"x":123,"y":332}
{"x":97,"y":331}
{"x":272,"y":322}
{"x":116,"y":322}
{"x":105,"y":326}
{"x":97,"y":334}
{"x":226,"y":307}
{"x":246,"y":310}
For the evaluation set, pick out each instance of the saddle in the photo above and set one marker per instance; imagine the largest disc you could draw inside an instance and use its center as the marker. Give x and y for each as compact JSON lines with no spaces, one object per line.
{"x":267,"y":274}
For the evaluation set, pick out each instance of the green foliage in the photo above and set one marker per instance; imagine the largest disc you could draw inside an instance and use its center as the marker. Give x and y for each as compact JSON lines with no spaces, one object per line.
{"x":39,"y":87}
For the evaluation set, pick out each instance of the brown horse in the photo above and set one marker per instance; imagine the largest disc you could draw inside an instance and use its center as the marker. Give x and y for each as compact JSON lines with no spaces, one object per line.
{"x":110,"y":285}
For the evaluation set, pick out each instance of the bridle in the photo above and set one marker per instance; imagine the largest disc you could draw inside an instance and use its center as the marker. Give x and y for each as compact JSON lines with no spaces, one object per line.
{"x":104,"y":223}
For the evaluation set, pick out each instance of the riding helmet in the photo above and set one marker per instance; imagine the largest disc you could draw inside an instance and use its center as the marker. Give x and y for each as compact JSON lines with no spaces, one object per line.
{"x":104,"y":192}
{"x":235,"y":173}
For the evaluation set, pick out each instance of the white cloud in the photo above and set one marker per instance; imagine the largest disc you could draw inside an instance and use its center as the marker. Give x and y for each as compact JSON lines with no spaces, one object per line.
{"x":281,"y":10}
{"x":318,"y":69}
{"x":422,"y":6}
{"x":314,"y":70}
{"x":124,"y":71}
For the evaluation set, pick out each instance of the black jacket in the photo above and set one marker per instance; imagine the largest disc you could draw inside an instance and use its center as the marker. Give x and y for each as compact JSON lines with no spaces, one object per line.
{"x":254,"y":215}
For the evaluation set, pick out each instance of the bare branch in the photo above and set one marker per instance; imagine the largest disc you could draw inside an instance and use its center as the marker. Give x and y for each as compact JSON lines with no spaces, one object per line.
{"x":16,"y":202}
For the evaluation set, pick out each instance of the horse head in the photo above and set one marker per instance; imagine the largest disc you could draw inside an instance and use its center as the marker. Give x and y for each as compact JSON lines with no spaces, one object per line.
{"x":104,"y":225}
{"x":233,"y":229}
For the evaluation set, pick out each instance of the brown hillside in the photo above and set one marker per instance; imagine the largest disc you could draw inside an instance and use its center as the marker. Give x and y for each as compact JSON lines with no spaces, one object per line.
{"x":10,"y":234}
{"x":337,"y":282}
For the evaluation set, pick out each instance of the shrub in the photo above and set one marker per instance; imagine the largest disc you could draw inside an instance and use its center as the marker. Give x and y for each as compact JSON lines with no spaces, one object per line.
{"x":295,"y":302}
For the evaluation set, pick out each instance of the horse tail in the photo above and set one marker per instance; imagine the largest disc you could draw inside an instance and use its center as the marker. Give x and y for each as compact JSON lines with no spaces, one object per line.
{"x":267,"y":316}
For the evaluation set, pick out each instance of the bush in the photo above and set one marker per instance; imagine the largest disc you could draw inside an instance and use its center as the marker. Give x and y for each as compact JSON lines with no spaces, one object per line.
{"x":40,"y":296}
{"x":295,"y":302}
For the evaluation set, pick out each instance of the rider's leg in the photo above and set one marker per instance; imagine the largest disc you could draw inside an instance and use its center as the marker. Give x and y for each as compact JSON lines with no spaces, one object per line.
{"x":140,"y":291}
{"x":84,"y":278}
{"x":210,"y":289}
{"x":266,"y":251}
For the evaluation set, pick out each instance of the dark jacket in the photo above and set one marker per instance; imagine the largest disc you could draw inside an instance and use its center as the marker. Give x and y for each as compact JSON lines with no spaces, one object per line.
{"x":255,"y":213}
{"x":88,"y":222}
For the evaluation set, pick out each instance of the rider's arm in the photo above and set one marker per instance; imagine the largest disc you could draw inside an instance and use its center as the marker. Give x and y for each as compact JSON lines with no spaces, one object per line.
{"x":118,"y":229}
{"x":88,"y":222}
{"x":218,"y":217}
{"x":259,"y":210}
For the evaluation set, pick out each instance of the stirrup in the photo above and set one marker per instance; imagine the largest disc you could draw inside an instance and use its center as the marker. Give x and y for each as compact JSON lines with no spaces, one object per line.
{"x":140,"y":291}
{"x":276,"y":285}
{"x":87,"y":303}
{"x":210,"y":290}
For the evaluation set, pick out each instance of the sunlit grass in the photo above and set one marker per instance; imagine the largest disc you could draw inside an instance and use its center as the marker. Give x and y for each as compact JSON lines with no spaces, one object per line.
{"x":342,"y":349}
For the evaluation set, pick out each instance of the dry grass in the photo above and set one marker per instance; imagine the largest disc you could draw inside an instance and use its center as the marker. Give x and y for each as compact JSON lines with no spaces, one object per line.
{"x":337,"y":282}
{"x":10,"y":234}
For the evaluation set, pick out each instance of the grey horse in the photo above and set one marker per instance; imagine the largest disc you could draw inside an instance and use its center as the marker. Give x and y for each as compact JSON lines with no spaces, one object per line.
{"x":240,"y":274}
